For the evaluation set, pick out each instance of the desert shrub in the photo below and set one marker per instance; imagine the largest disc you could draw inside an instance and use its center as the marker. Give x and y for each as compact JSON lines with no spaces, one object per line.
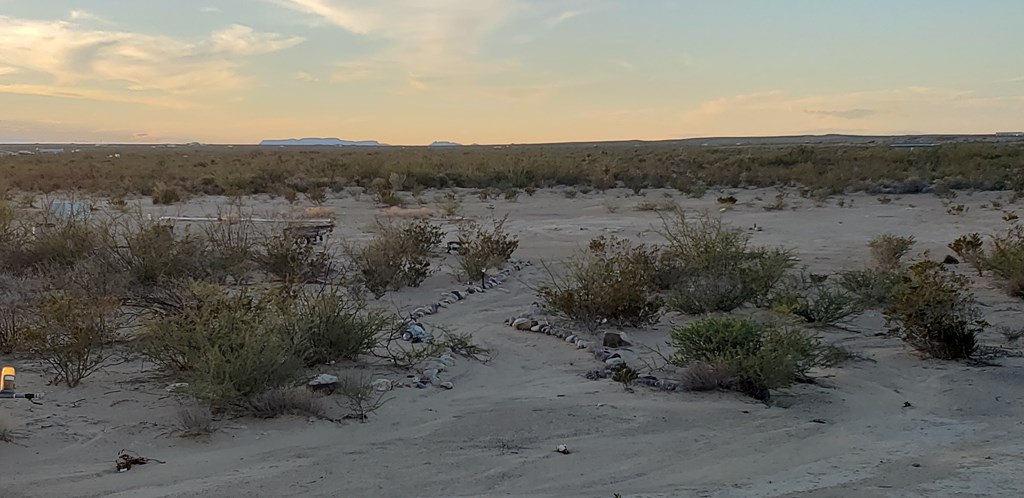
{"x":397,"y":257}
{"x":316,"y":195}
{"x":227,"y":346}
{"x":887,"y":251}
{"x":195,"y":419}
{"x":708,"y":266}
{"x":701,"y":376}
{"x":14,"y":314}
{"x":152,"y":255}
{"x":448,"y":203}
{"x":167,"y":194}
{"x":333,"y":326}
{"x":935,"y":312}
{"x":75,"y":334}
{"x":484,"y":248}
{"x":663,"y":205}
{"x":1006,"y":259}
{"x":62,"y":244}
{"x":228,"y":248}
{"x":873,"y":288}
{"x":817,"y":303}
{"x":282,"y":401}
{"x":752,"y":357}
{"x":613,"y":281}
{"x":971,"y":249}
{"x":289,"y":260}
{"x":361,"y":397}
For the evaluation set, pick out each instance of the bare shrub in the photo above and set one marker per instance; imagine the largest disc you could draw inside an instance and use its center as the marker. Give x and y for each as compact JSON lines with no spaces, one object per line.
{"x":935,"y":312}
{"x":708,"y":266}
{"x":755,"y":358}
{"x":887,"y":251}
{"x":361,"y":397}
{"x":167,"y":194}
{"x":1012,"y":335}
{"x":195,"y":419}
{"x":398,"y":256}
{"x":292,"y":261}
{"x":483,"y":249}
{"x":279,"y":402}
{"x":74,"y":334}
{"x":613,"y":281}
{"x":316,"y":195}
{"x":448,"y":203}
{"x":701,"y":376}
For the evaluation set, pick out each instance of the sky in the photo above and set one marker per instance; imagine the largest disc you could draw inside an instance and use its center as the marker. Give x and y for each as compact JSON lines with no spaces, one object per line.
{"x":505,"y":71}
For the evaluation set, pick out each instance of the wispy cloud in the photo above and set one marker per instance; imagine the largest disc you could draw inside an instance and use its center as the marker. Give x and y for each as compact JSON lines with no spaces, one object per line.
{"x":435,"y":39}
{"x":843,"y":114}
{"x":552,"y":22}
{"x":79,"y":60}
{"x":210,"y":10}
{"x":304,"y":76}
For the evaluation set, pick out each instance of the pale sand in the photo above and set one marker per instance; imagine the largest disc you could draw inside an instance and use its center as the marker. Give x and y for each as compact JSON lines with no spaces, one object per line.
{"x":495,"y":433}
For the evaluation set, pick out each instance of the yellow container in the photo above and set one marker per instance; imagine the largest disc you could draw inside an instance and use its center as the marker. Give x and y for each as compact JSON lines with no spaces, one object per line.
{"x":7,"y":379}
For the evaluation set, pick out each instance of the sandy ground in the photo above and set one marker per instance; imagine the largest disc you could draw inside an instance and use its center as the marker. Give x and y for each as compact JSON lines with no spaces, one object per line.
{"x":495,"y":432}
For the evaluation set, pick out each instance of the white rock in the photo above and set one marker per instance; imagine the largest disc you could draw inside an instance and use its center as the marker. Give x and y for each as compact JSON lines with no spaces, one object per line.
{"x":570,"y":339}
{"x":447,"y":385}
{"x":519,"y":321}
{"x":382,"y":385}
{"x":177,"y":386}
{"x":563,"y":449}
{"x":323,"y":380}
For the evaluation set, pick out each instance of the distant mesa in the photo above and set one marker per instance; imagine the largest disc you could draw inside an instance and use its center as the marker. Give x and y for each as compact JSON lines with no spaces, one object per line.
{"x":332,"y":142}
{"x":441,"y":143}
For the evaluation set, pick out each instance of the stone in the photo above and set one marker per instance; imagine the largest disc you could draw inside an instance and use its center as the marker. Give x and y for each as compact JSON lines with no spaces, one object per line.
{"x":432,"y":372}
{"x":535,"y":328}
{"x":570,"y":339}
{"x":519,"y":321}
{"x":950,"y":260}
{"x":382,"y":385}
{"x":420,"y":385}
{"x":177,"y":386}
{"x":615,"y":340}
{"x":612,"y":362}
{"x":563,"y":449}
{"x":448,"y":385}
{"x":527,"y":325}
{"x":323,"y":380}
{"x":582,"y":344}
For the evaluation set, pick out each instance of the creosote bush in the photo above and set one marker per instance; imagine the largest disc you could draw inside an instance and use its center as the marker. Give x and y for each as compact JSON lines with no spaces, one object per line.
{"x":1006,"y":260}
{"x":335,"y":326}
{"x":398,"y":256}
{"x":708,"y":266}
{"x":613,"y":281}
{"x":292,"y":261}
{"x":483,"y":249}
{"x":935,"y":312}
{"x":75,"y":334}
{"x":746,"y":356}
{"x":816,"y":303}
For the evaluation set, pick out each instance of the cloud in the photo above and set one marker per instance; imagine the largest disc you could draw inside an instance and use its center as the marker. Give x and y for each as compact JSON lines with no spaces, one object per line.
{"x":304,"y":76}
{"x":210,"y":10}
{"x":843,"y":114}
{"x":553,"y":22}
{"x":91,"y":62}
{"x":428,"y":39}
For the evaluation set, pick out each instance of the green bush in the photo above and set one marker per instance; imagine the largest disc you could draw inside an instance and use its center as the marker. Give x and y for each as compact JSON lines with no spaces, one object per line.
{"x":291,"y":261}
{"x":749,"y":357}
{"x":483,"y":249}
{"x":971,"y":250}
{"x":817,"y":303}
{"x":708,"y":266}
{"x":935,"y":312}
{"x":333,"y":326}
{"x":227,"y":346}
{"x":613,"y":281}
{"x":1006,"y":259}
{"x":873,"y":288}
{"x":397,"y":257}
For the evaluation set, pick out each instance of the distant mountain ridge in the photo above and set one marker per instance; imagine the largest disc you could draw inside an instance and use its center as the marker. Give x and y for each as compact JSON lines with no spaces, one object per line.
{"x":334,"y":142}
{"x":442,"y":143}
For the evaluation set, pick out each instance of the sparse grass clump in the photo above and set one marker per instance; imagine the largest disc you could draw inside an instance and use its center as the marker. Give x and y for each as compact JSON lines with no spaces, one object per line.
{"x":744,"y":355}
{"x":281,"y":401}
{"x":195,"y":419}
{"x":613,"y":281}
{"x":398,"y":256}
{"x":935,"y":312}
{"x":708,"y":266}
{"x":483,"y":248}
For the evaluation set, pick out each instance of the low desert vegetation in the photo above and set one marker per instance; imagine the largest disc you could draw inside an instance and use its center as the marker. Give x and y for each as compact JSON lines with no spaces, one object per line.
{"x":875,"y":285}
{"x":815,"y":301}
{"x":484,"y":248}
{"x":398,"y":256}
{"x":745,"y":355}
{"x":708,"y":266}
{"x":888,"y":250}
{"x":935,"y":312}
{"x":613,"y":281}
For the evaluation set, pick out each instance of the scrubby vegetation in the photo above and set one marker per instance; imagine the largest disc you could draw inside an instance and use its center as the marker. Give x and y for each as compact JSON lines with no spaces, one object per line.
{"x":482,"y":249}
{"x":747,"y":356}
{"x":707,"y":266}
{"x":397,"y":257}
{"x":815,"y":301}
{"x":258,"y":170}
{"x":935,"y":312}
{"x":613,"y":281}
